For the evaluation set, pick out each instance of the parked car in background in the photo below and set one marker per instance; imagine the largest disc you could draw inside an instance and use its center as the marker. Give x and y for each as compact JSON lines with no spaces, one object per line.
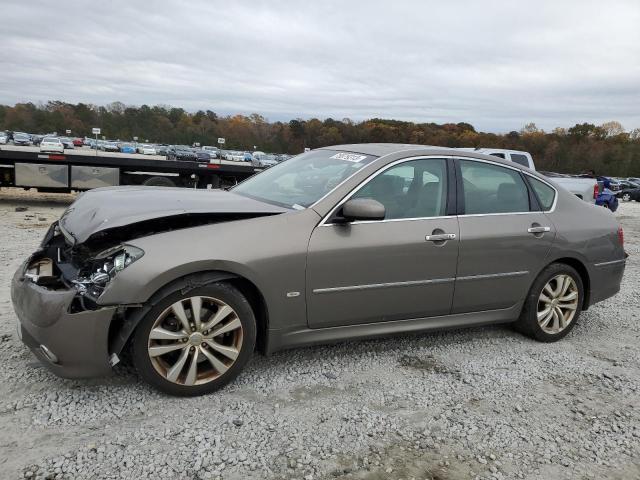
{"x":36,"y":139}
{"x":256,"y":155}
{"x":147,"y":149}
{"x":109,"y":147}
{"x":213,"y":151}
{"x":283,"y":157}
{"x":78,"y":142}
{"x":234,"y":156}
{"x":634,"y":180}
{"x":181,"y":152}
{"x":21,"y":139}
{"x":176,"y":275}
{"x":51,"y":145}
{"x":4,"y":138}
{"x":607,"y":198}
{"x":202,"y":155}
{"x":631,"y":192}
{"x":161,"y":149}
{"x":615,"y":184}
{"x":264,"y":161}
{"x":127,"y":148}
{"x":67,"y":142}
{"x":625,"y":184}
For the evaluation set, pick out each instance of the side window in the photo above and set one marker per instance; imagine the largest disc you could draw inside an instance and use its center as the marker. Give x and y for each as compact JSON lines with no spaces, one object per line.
{"x":520,"y":159}
{"x":413,"y":189}
{"x":490,"y":188}
{"x":496,"y":154}
{"x":545,"y":193}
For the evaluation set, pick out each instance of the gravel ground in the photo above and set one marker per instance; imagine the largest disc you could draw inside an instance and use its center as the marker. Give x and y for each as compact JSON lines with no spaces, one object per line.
{"x":479,"y":403}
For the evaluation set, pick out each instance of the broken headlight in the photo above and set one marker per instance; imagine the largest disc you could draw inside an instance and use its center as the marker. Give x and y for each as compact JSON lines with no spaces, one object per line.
{"x":101,"y":269}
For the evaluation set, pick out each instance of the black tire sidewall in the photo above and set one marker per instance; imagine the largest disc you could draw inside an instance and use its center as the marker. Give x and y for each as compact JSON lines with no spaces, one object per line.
{"x":222,"y":291}
{"x":528,"y":321}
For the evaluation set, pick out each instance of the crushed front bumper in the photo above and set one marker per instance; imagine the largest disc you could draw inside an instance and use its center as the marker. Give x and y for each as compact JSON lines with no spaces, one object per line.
{"x":72,"y":345}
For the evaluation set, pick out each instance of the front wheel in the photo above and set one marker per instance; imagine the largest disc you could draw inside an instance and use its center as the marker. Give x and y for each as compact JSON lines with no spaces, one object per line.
{"x":195,"y":343}
{"x":626,"y":197}
{"x":553,"y":304}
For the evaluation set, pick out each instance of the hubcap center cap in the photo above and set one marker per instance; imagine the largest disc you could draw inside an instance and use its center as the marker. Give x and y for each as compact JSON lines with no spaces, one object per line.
{"x":196,"y":339}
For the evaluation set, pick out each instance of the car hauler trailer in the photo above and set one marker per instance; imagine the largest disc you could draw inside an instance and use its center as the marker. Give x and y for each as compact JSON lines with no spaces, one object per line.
{"x":84,"y":170}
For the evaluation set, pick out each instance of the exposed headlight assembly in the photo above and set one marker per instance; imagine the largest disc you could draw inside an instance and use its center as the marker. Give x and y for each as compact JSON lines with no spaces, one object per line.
{"x":101,"y":269}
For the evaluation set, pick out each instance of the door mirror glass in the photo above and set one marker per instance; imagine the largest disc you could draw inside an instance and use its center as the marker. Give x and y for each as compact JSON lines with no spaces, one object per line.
{"x":363,"y":209}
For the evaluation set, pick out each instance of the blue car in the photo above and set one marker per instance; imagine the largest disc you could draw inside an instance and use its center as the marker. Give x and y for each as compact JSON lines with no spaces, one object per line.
{"x":127,"y":149}
{"x":607,"y":198}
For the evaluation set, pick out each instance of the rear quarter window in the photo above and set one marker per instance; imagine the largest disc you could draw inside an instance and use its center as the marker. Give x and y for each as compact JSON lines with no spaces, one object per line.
{"x":520,"y":159}
{"x":546,"y":195}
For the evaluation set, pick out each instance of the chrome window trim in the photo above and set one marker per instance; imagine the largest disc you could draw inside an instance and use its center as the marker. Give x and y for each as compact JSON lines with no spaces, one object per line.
{"x":364,"y":222}
{"x":498,"y":214}
{"x":371,"y":286}
{"x":493,"y":275}
{"x":371,"y":177}
{"x":555,"y":198}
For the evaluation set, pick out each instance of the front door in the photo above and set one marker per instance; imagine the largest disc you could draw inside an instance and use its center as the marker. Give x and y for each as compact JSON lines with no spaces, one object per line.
{"x":402,"y":267}
{"x":504,"y":241}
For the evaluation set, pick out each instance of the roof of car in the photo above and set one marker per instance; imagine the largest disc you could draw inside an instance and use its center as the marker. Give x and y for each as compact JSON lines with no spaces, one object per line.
{"x":381,"y":149}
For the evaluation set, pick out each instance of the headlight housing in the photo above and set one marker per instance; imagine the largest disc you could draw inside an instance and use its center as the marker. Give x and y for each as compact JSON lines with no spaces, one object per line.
{"x":94,"y":276}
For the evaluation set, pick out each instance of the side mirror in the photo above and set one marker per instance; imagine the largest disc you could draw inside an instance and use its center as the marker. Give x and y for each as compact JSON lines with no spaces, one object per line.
{"x":363,"y":209}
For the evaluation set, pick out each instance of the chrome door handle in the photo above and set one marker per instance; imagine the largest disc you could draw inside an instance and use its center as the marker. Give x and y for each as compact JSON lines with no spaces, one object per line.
{"x":441,"y":237}
{"x":539,"y":229}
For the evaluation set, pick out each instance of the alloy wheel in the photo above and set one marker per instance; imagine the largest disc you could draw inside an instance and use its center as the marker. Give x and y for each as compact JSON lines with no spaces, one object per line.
{"x":557,"y":304}
{"x":626,"y":197}
{"x":195,"y":340}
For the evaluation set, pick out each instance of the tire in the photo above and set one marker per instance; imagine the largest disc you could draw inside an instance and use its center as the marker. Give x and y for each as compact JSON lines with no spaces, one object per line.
{"x":626,"y":197}
{"x":534,"y":305}
{"x":237,"y":343}
{"x":159,"y":182}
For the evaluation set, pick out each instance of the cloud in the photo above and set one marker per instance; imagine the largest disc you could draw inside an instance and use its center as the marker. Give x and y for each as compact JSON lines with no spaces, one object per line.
{"x":495,"y":64}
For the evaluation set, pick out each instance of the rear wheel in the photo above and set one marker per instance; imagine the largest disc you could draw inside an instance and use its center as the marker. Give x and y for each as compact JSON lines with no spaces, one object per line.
{"x":195,"y":343}
{"x":553,"y":305}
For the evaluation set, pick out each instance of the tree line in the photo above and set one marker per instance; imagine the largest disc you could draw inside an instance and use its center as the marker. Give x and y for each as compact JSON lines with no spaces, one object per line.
{"x":608,"y":149}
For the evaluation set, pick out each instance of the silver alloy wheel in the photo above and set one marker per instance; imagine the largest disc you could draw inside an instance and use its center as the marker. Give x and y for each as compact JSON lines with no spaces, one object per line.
{"x":626,"y":197}
{"x":195,"y":340}
{"x":557,"y":304}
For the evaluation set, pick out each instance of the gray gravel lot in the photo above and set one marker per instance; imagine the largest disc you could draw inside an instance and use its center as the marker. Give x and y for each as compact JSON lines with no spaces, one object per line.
{"x":479,"y":403}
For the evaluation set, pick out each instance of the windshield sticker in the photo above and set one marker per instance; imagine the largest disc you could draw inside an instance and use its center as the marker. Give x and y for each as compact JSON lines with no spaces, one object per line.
{"x":349,"y":157}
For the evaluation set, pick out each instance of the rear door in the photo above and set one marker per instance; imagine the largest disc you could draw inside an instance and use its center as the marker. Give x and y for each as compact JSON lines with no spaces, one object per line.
{"x":504,"y":237}
{"x":402,"y":267}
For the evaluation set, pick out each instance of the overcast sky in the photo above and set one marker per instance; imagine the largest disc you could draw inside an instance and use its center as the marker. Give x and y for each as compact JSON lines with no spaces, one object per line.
{"x":495,"y":64}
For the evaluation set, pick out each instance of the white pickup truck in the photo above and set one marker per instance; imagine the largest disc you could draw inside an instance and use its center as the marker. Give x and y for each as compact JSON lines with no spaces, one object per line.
{"x":584,"y":188}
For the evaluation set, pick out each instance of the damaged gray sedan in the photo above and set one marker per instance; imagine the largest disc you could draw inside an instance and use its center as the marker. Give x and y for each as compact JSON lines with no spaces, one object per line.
{"x":345,"y":242}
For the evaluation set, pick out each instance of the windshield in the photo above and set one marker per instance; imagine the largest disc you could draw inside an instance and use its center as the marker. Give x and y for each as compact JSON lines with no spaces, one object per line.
{"x":303,"y":180}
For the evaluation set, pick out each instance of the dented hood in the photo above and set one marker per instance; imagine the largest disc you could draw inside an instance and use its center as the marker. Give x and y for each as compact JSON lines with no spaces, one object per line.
{"x":112,"y":208}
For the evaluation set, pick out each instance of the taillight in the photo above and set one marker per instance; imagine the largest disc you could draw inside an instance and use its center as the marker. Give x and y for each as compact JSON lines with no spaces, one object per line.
{"x":596,"y":190}
{"x":621,"y":236}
